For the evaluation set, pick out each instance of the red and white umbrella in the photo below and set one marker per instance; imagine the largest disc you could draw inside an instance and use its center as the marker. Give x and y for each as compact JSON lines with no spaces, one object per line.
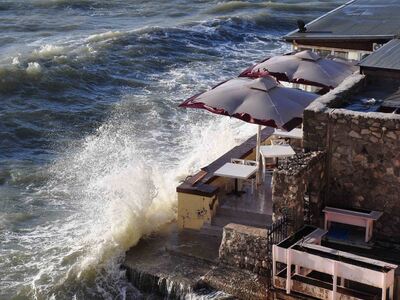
{"x":261,"y":101}
{"x":305,"y":67}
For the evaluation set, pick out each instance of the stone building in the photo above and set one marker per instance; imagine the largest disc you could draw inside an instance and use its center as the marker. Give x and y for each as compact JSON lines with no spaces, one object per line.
{"x":358,"y":125}
{"x":348,"y":163}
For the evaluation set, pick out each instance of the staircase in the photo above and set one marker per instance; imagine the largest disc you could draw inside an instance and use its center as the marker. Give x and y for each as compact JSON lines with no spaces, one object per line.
{"x":226,"y":215}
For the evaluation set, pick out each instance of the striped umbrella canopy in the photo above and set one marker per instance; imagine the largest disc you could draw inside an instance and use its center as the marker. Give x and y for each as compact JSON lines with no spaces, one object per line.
{"x":305,"y":67}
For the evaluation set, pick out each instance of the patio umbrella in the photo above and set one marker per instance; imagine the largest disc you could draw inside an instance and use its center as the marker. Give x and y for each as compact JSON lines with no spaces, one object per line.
{"x":305,"y":67}
{"x":261,"y":101}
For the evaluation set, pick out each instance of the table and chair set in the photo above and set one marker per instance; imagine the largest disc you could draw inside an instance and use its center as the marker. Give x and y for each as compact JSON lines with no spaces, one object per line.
{"x":245,"y":170}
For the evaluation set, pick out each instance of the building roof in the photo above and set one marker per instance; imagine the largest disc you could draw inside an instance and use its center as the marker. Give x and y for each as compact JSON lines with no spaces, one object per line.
{"x":387,"y":93}
{"x":386,"y":57}
{"x":357,"y":19}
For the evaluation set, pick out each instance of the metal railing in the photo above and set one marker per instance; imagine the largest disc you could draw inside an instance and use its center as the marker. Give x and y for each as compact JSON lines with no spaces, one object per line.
{"x":276,"y":232}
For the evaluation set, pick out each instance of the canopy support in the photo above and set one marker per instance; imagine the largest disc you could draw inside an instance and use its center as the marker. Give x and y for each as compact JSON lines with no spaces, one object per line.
{"x":258,"y":154}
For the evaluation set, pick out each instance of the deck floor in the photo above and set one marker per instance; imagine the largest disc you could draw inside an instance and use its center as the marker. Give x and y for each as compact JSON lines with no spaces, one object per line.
{"x":259,"y":202}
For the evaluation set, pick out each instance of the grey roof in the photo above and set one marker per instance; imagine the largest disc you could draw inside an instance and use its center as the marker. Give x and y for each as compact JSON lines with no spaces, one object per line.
{"x":357,"y":19}
{"x":386,"y":57}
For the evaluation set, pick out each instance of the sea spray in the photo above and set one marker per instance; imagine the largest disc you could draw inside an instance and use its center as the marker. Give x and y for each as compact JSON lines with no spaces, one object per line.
{"x":60,"y":200}
{"x":121,"y":194}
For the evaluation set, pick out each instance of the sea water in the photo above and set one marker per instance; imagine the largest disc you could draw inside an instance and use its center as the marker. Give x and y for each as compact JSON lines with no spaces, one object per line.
{"x":92,"y":142}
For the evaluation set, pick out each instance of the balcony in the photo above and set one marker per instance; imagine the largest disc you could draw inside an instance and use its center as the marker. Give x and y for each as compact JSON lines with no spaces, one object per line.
{"x":301,"y":265}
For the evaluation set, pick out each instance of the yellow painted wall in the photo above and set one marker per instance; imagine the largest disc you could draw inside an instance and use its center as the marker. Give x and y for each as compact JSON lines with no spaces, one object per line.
{"x":194,"y":210}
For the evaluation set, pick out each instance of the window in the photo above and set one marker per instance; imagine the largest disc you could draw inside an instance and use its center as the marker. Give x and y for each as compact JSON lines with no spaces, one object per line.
{"x":341,"y":54}
{"x":323,"y":52}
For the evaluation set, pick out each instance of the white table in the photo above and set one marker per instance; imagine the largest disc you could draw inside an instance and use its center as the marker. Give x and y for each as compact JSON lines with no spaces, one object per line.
{"x":275,"y":151}
{"x":352,"y":217}
{"x":296,"y":133}
{"x":236,"y":171}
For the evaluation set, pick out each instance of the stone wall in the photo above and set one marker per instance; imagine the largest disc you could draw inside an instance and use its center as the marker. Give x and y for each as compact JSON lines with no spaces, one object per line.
{"x":365,"y":166}
{"x":245,"y":247}
{"x":301,"y":175}
{"x":316,"y":116}
{"x":363,"y":154}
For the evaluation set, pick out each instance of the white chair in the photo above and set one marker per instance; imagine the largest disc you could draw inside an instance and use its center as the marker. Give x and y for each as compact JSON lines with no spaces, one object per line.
{"x":248,"y":163}
{"x":268,"y":167}
{"x":279,"y":142}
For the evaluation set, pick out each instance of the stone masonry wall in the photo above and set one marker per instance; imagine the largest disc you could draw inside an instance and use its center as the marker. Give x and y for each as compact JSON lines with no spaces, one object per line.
{"x":316,"y":116}
{"x":301,"y":174}
{"x":365,"y":166}
{"x":363,"y":155}
{"x":245,"y":247}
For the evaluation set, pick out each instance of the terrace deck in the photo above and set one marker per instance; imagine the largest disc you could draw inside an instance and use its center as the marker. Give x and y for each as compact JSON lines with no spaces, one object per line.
{"x":259,"y":202}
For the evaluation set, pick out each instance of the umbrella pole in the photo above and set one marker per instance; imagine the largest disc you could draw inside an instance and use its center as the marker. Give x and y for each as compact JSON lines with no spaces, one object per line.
{"x":258,"y":153}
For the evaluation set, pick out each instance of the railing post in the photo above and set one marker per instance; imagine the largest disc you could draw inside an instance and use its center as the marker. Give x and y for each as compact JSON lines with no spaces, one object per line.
{"x":288,"y":271}
{"x":334,"y":287}
{"x":273,"y":262}
{"x":384,"y":286}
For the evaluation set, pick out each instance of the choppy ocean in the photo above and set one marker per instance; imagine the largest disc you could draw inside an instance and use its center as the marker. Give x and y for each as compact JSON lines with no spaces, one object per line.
{"x":92,"y":144}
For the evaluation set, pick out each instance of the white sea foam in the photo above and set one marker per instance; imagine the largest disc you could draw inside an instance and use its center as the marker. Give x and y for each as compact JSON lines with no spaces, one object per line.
{"x":103,"y":36}
{"x":48,"y":51}
{"x":33,"y":69}
{"x":15,"y":60}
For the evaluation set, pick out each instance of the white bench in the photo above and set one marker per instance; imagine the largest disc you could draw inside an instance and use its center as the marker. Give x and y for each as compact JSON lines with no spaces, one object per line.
{"x":352,"y":217}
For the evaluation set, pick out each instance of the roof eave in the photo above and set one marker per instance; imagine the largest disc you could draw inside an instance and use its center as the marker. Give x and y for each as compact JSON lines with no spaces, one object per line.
{"x":340,"y":37}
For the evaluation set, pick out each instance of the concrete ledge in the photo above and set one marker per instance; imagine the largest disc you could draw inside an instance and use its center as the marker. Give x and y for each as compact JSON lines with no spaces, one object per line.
{"x":335,"y":98}
{"x":200,"y":189}
{"x":300,"y":162}
{"x":248,"y":230}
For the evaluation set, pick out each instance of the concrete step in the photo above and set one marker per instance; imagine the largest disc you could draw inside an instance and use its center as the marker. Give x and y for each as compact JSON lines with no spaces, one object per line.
{"x":241,"y":284}
{"x":221,"y":221}
{"x":211,"y":230}
{"x":193,"y":243}
{"x":245,"y":216}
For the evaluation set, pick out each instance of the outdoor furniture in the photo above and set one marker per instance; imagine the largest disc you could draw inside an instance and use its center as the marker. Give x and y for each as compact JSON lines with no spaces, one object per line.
{"x":248,"y":163}
{"x":262,"y":101}
{"x":296,"y":133}
{"x":352,"y":217}
{"x":276,"y":152}
{"x":305,"y":67}
{"x":338,"y":264}
{"x":279,"y":142}
{"x":314,"y":237}
{"x":236,"y":171}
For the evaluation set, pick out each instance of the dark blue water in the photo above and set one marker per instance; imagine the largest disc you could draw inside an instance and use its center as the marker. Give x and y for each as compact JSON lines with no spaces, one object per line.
{"x":92,"y":143}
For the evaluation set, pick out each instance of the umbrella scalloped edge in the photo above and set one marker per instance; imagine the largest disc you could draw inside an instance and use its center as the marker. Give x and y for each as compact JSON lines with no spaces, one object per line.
{"x":242,"y":116}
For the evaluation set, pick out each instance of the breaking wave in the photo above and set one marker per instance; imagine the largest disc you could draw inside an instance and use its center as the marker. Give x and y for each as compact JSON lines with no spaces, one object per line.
{"x":118,"y":193}
{"x":234,"y":6}
{"x":92,"y":144}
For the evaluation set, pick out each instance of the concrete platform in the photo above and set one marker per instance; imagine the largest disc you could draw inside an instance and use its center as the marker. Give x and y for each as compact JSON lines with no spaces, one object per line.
{"x":183,"y":264}
{"x":258,"y":202}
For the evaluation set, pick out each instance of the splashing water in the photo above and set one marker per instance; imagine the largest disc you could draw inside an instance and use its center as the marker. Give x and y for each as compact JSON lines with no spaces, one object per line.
{"x":117,"y":194}
{"x":92,"y":144}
